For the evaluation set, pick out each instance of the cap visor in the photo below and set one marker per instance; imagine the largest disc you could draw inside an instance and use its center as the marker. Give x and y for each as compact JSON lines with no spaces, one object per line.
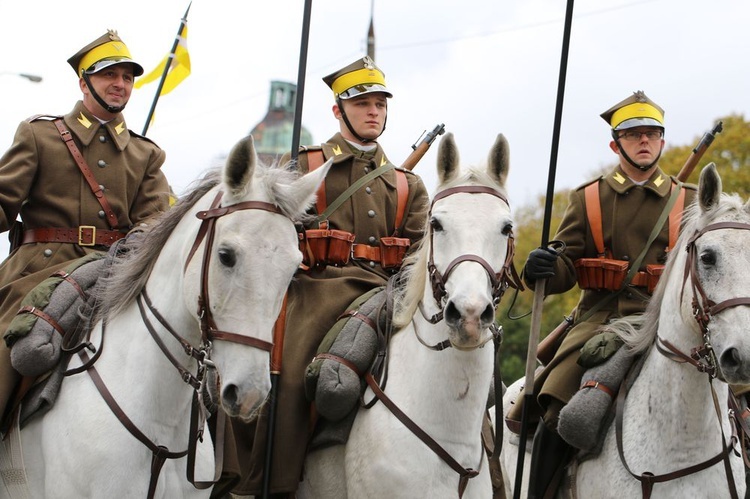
{"x":364,"y":89}
{"x":98,"y":66}
{"x":634,"y":122}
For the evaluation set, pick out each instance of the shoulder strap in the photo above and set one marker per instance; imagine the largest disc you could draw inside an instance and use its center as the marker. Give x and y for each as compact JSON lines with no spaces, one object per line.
{"x":594,"y":215}
{"x":315,"y":160}
{"x":67,"y":137}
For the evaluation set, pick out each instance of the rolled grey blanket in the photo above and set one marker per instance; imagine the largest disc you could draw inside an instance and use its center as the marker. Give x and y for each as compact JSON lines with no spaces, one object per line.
{"x":584,"y":420}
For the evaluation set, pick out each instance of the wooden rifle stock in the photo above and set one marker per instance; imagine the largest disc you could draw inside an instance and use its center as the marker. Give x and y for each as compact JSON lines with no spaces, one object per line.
{"x":421,"y":148}
{"x":698,"y":152}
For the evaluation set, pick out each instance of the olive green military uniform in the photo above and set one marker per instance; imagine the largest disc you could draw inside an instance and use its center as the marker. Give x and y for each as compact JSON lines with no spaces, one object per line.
{"x":318,"y":296}
{"x":40,"y":181}
{"x":629,"y":214}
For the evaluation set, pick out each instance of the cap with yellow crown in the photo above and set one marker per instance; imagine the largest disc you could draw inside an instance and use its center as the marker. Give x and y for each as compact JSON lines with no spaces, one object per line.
{"x":636,"y":110}
{"x":105,"y":51}
{"x":358,"y":78}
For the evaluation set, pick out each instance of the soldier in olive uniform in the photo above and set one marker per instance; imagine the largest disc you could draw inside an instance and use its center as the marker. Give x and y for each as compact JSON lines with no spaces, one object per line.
{"x":631,"y":197}
{"x":320,"y":293}
{"x":41,"y":181}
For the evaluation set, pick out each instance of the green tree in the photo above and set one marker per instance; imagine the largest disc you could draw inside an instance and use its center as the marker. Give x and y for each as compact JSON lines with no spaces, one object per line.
{"x":730,"y":152}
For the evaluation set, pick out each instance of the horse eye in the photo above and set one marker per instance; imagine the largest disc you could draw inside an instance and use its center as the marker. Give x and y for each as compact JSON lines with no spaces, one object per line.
{"x":507,"y":229}
{"x":708,"y":257}
{"x":227,"y":257}
{"x":435,"y":224}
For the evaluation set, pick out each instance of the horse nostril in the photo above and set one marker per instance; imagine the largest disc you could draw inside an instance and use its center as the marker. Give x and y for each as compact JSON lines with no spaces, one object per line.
{"x":730,"y":359}
{"x":451,"y":313}
{"x":488,"y":316}
{"x":229,"y":395}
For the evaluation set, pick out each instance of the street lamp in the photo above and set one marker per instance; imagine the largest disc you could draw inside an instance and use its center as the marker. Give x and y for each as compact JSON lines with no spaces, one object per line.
{"x":30,"y":77}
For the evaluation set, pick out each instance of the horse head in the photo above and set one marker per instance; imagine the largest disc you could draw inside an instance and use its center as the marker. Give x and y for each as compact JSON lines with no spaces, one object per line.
{"x":469,"y":235}
{"x":717,"y":274}
{"x":237,"y":281}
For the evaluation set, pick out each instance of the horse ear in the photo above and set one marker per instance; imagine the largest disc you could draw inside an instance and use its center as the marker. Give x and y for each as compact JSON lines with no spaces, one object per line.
{"x":498,"y":162}
{"x":240,"y":165}
{"x":297,"y":197}
{"x":447,"y":158}
{"x":709,"y":187}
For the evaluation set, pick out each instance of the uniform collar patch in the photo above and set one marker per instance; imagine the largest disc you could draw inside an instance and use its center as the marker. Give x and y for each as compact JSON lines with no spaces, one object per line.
{"x":336,"y":150}
{"x":658,"y":181}
{"x":619,"y":178}
{"x":120,"y":127}
{"x":83,"y":120}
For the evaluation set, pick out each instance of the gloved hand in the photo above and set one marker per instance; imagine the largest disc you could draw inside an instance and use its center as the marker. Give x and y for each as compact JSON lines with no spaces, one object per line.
{"x":540,"y":264}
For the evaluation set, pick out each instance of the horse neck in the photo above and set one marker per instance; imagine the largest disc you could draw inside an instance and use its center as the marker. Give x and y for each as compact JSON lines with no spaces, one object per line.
{"x":446,"y":390}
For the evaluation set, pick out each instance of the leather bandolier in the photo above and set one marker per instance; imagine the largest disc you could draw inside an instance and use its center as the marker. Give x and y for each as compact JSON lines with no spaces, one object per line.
{"x":604,"y":272}
{"x":325,"y":246}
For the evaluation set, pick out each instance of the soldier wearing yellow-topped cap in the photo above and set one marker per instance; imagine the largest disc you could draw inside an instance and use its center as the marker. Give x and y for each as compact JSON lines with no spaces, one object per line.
{"x":331,"y":280}
{"x":41,"y":181}
{"x":621,"y":209}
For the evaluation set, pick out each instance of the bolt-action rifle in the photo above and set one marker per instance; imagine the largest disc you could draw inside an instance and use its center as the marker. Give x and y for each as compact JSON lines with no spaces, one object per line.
{"x":421,"y":147}
{"x":698,"y":152}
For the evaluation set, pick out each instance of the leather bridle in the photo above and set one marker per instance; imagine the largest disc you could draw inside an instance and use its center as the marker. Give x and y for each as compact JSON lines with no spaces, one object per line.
{"x":702,"y":358}
{"x":506,"y":276}
{"x":202,"y":354}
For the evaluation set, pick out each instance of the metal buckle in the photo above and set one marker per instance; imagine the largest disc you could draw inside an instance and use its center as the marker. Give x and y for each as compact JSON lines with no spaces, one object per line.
{"x":81,"y":233}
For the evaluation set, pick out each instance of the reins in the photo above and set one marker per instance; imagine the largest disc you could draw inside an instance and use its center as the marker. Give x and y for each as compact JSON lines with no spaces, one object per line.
{"x":702,"y":358}
{"x":201,"y":354}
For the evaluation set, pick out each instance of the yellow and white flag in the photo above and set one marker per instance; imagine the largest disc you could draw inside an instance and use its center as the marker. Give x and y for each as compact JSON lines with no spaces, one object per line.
{"x":179,"y":68}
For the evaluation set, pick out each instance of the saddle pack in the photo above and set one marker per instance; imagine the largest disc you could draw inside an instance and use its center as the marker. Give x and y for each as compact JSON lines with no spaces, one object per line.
{"x":334,"y":380}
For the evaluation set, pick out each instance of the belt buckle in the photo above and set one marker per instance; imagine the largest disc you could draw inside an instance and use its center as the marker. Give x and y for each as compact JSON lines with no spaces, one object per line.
{"x":81,"y":235}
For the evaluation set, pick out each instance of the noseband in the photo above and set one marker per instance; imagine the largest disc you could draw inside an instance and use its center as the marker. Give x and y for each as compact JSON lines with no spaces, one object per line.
{"x":507,"y":276}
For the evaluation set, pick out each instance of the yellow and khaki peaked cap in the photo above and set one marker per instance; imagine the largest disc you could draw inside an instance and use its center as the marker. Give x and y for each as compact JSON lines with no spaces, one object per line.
{"x":105,"y":51}
{"x":358,"y":78}
{"x":636,"y":110}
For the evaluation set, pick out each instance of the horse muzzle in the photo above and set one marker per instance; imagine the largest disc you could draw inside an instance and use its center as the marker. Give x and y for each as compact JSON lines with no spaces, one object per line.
{"x":469,"y":323}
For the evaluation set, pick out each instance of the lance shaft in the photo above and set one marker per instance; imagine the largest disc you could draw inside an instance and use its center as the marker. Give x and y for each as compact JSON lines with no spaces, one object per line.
{"x":536,"y":310}
{"x":281,"y":322}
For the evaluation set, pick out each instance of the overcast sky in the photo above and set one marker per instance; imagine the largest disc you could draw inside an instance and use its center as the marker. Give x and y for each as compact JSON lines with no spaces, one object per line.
{"x":482,"y":67}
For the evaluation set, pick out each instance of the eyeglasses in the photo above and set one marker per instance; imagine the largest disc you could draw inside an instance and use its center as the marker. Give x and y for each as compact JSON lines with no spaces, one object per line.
{"x":635,"y":136}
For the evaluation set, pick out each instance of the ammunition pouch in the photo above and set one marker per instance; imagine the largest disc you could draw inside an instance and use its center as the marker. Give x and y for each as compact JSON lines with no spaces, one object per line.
{"x":601,"y":273}
{"x":650,"y":278}
{"x":321,"y":247}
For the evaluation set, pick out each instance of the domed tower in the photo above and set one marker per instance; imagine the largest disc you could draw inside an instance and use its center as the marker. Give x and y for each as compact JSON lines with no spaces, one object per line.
{"x":273,"y":135}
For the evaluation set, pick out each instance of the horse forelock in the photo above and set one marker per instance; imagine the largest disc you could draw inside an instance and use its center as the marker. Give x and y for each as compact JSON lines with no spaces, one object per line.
{"x":131,"y":271}
{"x":639,"y":331}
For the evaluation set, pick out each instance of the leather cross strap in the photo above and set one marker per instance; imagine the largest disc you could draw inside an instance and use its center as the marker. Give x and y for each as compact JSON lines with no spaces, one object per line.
{"x":67,"y":137}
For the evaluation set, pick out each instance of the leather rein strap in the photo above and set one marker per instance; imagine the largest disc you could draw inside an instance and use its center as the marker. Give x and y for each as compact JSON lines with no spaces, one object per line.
{"x":464,"y":473}
{"x":67,"y":138}
{"x":701,"y":357}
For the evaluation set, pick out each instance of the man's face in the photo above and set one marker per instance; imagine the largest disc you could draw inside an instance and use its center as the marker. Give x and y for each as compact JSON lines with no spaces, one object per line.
{"x":113,"y":84}
{"x":642,"y":144}
{"x":366,"y":114}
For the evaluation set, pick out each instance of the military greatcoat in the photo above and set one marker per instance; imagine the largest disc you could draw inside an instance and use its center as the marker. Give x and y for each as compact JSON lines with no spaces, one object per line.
{"x":40,"y":181}
{"x":629,"y":214}
{"x":317,"y":297}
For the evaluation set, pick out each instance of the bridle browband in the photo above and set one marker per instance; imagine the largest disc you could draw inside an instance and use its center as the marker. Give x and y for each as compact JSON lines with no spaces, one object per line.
{"x":702,"y":358}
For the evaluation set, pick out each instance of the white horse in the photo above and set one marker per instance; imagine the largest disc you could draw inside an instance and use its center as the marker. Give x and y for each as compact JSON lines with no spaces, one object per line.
{"x":675,"y":417}
{"x":452,"y":285}
{"x":239,"y":264}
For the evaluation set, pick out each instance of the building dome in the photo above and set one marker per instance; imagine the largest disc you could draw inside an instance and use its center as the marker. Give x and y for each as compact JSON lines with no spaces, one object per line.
{"x":273,"y":135}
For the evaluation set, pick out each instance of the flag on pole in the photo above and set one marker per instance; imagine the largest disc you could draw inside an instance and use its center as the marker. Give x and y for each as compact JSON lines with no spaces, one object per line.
{"x":171,"y":71}
{"x":179,"y":68}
